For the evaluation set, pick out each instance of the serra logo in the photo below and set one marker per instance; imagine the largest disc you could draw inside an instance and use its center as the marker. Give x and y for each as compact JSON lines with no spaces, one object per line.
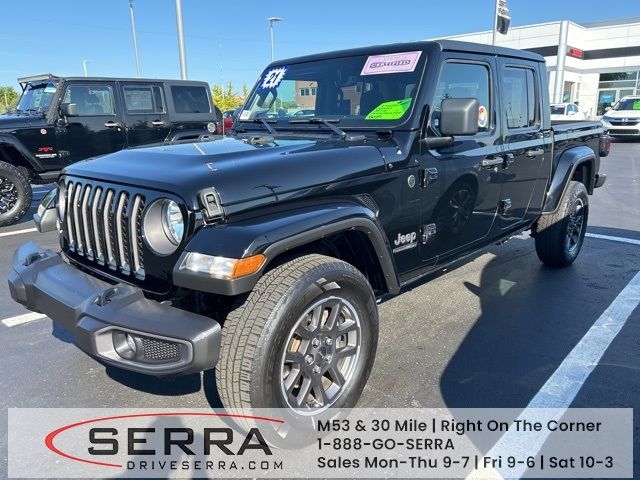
{"x":404,"y":239}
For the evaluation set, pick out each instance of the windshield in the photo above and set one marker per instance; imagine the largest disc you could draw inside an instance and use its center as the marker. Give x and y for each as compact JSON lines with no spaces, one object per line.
{"x":628,"y":104}
{"x":557,"y":109}
{"x":359,"y":91}
{"x":37,"y":97}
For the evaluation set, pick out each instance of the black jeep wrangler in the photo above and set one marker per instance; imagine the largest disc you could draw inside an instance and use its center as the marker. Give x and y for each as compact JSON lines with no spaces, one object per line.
{"x":263,"y":255}
{"x":59,"y":121}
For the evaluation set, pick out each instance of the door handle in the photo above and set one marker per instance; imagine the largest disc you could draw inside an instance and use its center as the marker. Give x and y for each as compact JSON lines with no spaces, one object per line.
{"x":491,"y":162}
{"x":157,"y":123}
{"x":111,"y":124}
{"x":534,"y":152}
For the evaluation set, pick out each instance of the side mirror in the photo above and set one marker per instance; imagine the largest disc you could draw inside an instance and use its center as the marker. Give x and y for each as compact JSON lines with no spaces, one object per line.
{"x":69,"y":110}
{"x":459,"y":116}
{"x":46,"y":216}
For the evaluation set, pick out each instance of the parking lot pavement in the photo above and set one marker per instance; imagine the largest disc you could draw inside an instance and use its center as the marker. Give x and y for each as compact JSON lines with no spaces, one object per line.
{"x":488,"y":333}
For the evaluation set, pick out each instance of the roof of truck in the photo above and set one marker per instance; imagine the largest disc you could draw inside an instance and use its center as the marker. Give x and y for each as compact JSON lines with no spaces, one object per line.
{"x":443,"y":45}
{"x":49,"y":76}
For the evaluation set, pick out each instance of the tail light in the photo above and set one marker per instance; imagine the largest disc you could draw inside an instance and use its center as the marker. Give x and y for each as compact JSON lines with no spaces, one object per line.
{"x":605,"y":145}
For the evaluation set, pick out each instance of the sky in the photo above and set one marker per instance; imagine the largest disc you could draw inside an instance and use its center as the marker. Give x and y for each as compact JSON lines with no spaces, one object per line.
{"x":229,"y":40}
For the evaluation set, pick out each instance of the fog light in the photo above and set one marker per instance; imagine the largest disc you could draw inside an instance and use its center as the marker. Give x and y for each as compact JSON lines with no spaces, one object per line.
{"x":131,"y":343}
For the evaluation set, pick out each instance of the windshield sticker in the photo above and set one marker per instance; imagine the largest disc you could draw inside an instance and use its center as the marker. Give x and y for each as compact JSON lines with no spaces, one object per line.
{"x":273,"y":78}
{"x":392,"y":110}
{"x":392,"y":63}
{"x":49,"y":89}
{"x":636,"y":105}
{"x":245,"y":115}
{"x":483,"y":116}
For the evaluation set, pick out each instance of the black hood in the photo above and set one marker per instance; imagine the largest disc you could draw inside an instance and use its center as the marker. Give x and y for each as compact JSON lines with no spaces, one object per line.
{"x":239,"y":171}
{"x":12,"y":121}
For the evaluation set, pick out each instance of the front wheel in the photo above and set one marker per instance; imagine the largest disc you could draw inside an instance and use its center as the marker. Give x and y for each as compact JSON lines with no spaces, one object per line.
{"x":15,"y":194}
{"x":304,"y":339}
{"x":559,"y":236}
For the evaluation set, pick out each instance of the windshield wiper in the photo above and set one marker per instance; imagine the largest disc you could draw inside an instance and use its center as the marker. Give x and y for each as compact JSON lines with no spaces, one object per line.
{"x":328,"y":122}
{"x":264,"y":122}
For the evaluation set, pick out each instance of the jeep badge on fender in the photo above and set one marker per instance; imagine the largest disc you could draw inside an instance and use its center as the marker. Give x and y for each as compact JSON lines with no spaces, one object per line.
{"x":263,"y":254}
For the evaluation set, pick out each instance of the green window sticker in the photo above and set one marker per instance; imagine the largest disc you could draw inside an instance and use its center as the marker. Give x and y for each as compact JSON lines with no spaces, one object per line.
{"x":636,"y":105}
{"x":392,"y":110}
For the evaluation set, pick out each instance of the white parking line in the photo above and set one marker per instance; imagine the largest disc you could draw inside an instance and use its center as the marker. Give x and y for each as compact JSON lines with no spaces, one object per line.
{"x":20,"y":319}
{"x":565,"y":383}
{"x":18,"y":232}
{"x":614,"y":239}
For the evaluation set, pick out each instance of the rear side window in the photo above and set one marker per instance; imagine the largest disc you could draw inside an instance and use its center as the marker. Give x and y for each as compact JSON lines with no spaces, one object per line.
{"x":90,"y":99}
{"x":190,"y":99}
{"x":143,"y":99}
{"x":465,"y":80}
{"x":519,"y":95}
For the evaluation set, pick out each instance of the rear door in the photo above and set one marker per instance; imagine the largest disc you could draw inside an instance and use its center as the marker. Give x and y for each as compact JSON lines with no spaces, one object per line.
{"x":462,"y":184}
{"x":145,"y":112}
{"x":527,"y":145}
{"x":97,"y":129}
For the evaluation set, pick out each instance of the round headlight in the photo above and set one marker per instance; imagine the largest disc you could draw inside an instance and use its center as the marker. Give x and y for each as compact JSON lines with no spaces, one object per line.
{"x":163,"y":226}
{"x":172,"y":221}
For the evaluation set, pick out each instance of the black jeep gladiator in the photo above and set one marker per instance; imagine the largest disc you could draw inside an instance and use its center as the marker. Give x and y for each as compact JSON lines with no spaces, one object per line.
{"x":263,"y":255}
{"x":59,"y":121}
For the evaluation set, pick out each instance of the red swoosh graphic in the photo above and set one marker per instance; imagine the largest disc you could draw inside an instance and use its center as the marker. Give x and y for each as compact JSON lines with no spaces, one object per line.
{"x":48,"y":441}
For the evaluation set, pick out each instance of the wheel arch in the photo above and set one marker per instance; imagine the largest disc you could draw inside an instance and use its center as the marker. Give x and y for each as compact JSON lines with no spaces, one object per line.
{"x":577,"y":163}
{"x":14,"y":152}
{"x":345,"y":230}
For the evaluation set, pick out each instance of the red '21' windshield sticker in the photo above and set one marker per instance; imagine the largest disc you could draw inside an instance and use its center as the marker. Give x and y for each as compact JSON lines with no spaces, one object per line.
{"x":391,"y":63}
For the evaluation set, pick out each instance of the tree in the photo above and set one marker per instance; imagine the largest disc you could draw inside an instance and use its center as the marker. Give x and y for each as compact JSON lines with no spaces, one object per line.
{"x":227,"y":99}
{"x":8,"y":98}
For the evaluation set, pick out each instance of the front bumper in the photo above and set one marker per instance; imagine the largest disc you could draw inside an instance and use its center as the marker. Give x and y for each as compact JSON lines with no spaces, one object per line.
{"x":165,"y":339}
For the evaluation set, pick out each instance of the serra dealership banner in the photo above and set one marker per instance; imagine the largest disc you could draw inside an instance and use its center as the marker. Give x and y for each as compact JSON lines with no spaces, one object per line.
{"x":503,"y":18}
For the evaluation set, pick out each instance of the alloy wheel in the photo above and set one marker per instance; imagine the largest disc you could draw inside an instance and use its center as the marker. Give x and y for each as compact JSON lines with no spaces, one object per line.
{"x":320,"y":355}
{"x":575,"y":226}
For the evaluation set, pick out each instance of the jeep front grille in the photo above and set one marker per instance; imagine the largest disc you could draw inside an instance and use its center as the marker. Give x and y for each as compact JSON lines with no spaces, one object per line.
{"x":104,"y":225}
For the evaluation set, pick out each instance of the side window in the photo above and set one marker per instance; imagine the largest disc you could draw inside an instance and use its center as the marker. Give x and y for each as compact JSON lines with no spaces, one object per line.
{"x":520,"y":99}
{"x":190,"y":99}
{"x":143,"y":99}
{"x":90,"y":99}
{"x":464,"y":80}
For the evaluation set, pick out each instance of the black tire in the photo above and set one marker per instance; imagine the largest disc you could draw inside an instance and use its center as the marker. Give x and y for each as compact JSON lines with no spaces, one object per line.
{"x":250,"y":374}
{"x":559,"y":236}
{"x":15,"y":194}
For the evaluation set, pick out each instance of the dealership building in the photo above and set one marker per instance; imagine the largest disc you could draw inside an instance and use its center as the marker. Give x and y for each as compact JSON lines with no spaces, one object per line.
{"x":593,"y":65}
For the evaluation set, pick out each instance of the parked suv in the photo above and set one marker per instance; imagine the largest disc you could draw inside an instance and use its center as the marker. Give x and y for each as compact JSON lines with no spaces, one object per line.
{"x":59,"y":121}
{"x":623,"y":120}
{"x":263,"y":255}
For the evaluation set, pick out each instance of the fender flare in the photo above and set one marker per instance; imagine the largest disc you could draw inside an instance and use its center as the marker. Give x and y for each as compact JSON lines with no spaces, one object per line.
{"x":19,"y":146}
{"x":566,"y":166}
{"x":274,"y":234}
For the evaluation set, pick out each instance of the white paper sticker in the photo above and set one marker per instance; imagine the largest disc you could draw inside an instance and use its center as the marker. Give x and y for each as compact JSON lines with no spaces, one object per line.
{"x":245,"y":115}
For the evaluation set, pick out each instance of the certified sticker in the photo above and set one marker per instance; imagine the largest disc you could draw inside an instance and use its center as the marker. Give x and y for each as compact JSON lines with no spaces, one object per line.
{"x":391,"y":63}
{"x":483,"y":116}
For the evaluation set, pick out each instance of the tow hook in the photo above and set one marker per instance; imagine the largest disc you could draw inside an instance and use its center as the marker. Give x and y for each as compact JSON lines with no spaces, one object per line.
{"x":33,"y":257}
{"x":106,"y":296}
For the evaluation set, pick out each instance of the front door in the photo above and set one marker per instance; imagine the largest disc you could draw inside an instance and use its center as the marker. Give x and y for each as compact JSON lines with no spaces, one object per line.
{"x":146,"y":119}
{"x":462,"y":184}
{"x":97,"y":128}
{"x":526,"y":146}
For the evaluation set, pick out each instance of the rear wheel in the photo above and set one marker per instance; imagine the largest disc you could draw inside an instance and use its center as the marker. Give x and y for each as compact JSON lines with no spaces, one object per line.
{"x":559,"y":236}
{"x":305,"y":339}
{"x":15,"y":194}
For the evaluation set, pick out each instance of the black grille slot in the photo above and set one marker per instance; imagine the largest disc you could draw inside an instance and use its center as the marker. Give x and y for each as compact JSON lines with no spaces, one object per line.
{"x":155,"y":349}
{"x":104,"y":225}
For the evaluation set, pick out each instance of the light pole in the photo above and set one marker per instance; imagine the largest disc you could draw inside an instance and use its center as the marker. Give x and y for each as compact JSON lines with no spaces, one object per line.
{"x":84,"y":66}
{"x":135,"y":40}
{"x":271,"y":21}
{"x":181,"y":48}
